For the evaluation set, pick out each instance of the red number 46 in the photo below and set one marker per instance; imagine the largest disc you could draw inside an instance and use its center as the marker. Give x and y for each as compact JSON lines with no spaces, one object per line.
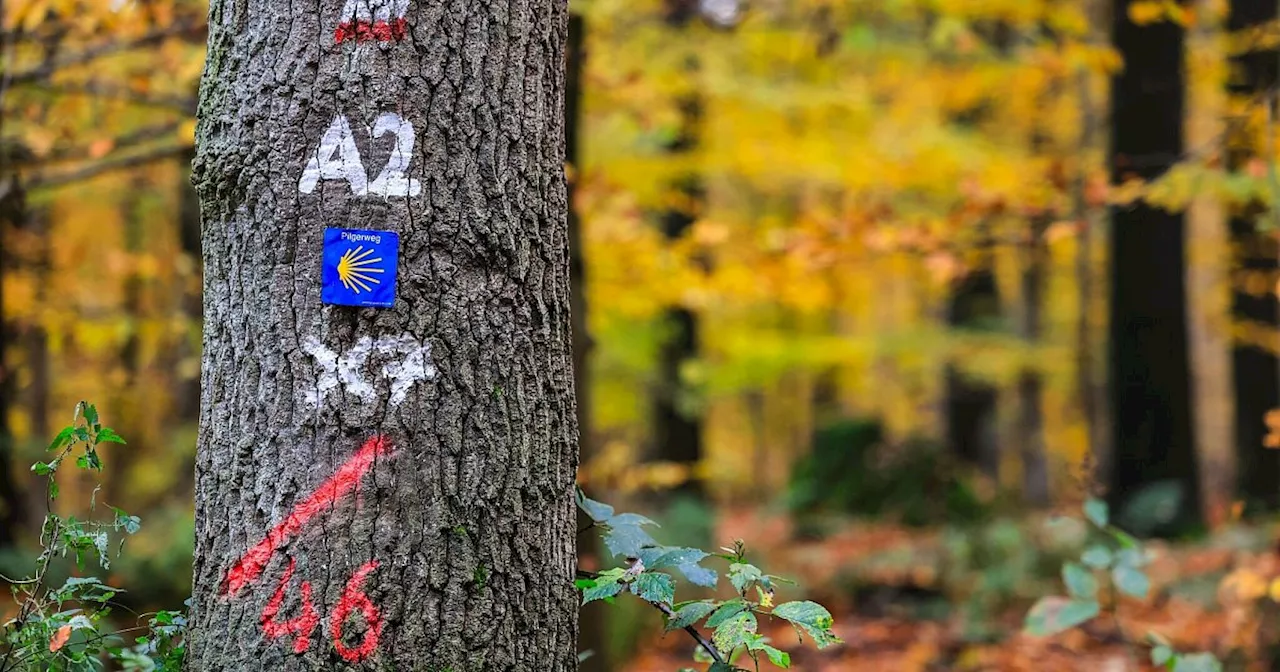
{"x":303,"y":626}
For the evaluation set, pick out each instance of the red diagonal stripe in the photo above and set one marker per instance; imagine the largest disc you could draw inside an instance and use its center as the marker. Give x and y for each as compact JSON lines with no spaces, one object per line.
{"x":250,"y":565}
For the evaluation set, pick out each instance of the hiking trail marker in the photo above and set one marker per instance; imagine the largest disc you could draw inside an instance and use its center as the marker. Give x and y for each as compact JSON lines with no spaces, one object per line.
{"x":359,"y":268}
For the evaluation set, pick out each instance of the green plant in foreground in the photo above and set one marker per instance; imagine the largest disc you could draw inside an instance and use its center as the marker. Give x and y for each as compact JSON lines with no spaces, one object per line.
{"x":1116,"y":561}
{"x":62,"y":628}
{"x":734,"y":622}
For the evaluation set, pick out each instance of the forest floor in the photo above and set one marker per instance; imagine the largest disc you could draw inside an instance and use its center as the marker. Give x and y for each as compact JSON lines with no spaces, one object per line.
{"x":908,"y":600}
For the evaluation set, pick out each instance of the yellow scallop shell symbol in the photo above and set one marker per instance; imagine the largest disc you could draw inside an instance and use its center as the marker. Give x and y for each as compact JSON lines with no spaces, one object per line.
{"x":355,"y":269}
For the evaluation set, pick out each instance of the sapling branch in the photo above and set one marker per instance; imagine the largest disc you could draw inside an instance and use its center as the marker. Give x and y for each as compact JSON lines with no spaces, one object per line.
{"x":669,"y":613}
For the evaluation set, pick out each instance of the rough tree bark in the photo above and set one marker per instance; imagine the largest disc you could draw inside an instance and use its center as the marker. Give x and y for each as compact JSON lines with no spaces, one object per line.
{"x":1148,"y":357}
{"x":385,"y":489}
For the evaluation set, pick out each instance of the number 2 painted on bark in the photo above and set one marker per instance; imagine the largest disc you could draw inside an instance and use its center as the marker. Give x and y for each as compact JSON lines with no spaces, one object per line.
{"x":338,"y":158}
{"x":394,"y":179}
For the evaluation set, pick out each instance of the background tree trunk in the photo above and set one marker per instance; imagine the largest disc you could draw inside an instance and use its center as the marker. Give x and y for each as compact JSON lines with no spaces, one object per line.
{"x":971,"y":433}
{"x":386,"y":488}
{"x":1256,"y":366}
{"x":592,"y":635}
{"x":1153,"y":438}
{"x":677,"y":432}
{"x":1208,"y":275}
{"x":12,"y":213}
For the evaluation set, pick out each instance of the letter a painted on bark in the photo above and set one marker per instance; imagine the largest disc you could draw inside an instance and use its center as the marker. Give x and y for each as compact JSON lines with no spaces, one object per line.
{"x":337,"y":158}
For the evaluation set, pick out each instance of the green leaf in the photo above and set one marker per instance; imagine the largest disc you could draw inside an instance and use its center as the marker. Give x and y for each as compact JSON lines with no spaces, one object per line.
{"x":583,"y":584}
{"x":742,"y":575}
{"x":675,"y":557}
{"x":735,"y":632}
{"x":776,"y":656}
{"x":1080,"y":581}
{"x":1097,"y":557}
{"x":42,"y":468}
{"x":602,"y":591}
{"x":1131,"y":581}
{"x":1197,"y":662}
{"x":726,"y":611}
{"x":1052,"y":615}
{"x":91,"y":415}
{"x":106,"y":434}
{"x":126,"y":522}
{"x":654,"y":587}
{"x":598,"y":511}
{"x":689,"y":614}
{"x":1161,"y":655}
{"x":684,"y":560}
{"x":630,"y":519}
{"x":722,"y":667}
{"x":699,"y":575}
{"x":62,"y":438}
{"x":812,"y":617}
{"x":1097,"y":511}
{"x":626,"y":539}
{"x":1126,"y":540}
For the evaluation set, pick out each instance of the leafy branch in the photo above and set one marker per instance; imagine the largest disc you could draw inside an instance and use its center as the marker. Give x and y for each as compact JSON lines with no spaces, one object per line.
{"x":1119,"y":559}
{"x":734,"y":622}
{"x":60,"y":628}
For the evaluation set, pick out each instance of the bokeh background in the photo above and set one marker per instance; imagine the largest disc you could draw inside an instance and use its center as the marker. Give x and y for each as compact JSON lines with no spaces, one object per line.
{"x":845,"y":273}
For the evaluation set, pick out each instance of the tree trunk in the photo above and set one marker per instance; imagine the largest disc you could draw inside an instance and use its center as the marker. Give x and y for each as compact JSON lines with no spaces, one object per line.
{"x":1029,"y":427}
{"x":677,"y":432}
{"x":1256,"y":367}
{"x":12,"y":213}
{"x":971,"y":433}
{"x":592,"y":635}
{"x":385,"y":488}
{"x":1208,"y":273}
{"x":1150,"y":381}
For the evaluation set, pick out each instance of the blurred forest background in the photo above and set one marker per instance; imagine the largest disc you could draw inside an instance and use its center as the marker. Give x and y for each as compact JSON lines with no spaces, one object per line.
{"x":879,"y":286}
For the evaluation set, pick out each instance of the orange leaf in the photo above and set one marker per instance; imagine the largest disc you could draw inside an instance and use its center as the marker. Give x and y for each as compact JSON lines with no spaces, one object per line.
{"x":60,"y":638}
{"x":100,"y":147}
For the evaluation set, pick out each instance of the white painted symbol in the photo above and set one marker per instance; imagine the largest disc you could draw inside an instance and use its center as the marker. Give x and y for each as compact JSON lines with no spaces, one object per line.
{"x":338,"y":158}
{"x":393,"y":180}
{"x":405,"y":362}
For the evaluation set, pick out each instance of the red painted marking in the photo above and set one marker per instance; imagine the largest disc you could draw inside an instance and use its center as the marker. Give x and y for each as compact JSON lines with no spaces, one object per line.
{"x":352,"y":599}
{"x":300,"y":626}
{"x":364,"y":30}
{"x":250,"y":565}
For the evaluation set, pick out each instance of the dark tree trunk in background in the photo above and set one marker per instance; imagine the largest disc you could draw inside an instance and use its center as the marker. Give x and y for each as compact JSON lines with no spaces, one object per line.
{"x":187,"y":406}
{"x":12,"y":212}
{"x":385,"y":488}
{"x":1029,"y":427}
{"x":1148,"y":354}
{"x":592,"y":634}
{"x":678,"y":432}
{"x":1256,"y":368}
{"x":970,"y":405}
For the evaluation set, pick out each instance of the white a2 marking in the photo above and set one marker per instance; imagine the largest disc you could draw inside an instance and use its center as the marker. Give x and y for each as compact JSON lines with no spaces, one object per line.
{"x":338,"y":158}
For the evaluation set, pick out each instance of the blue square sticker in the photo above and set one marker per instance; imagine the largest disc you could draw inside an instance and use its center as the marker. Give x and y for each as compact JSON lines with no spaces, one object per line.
{"x":359,"y":268}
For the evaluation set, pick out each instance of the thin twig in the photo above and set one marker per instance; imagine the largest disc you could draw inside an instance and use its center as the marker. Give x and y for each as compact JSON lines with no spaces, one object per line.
{"x":193,"y":30}
{"x":90,"y":640}
{"x":60,"y":179}
{"x":666,"y":610}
